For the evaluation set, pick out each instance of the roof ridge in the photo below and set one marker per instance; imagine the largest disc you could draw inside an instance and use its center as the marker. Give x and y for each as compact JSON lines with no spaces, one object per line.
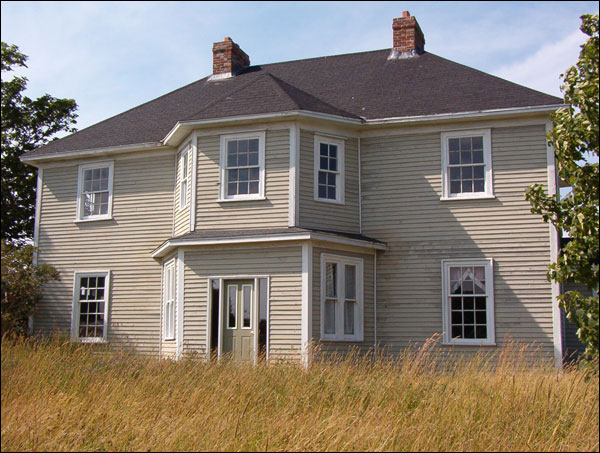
{"x":322,"y":57}
{"x":228,"y":93}
{"x":285,"y":86}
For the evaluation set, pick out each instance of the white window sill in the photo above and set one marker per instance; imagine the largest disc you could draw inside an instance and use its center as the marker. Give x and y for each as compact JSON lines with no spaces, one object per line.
{"x":227,"y":200}
{"x":475,"y":197}
{"x":469,"y":343}
{"x":92,"y":340}
{"x":326,"y":200}
{"x":94,"y":219}
{"x":343,"y":340}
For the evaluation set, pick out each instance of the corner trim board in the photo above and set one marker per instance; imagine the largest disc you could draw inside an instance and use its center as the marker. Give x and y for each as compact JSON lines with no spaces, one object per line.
{"x":306,"y":302}
{"x":557,"y":327}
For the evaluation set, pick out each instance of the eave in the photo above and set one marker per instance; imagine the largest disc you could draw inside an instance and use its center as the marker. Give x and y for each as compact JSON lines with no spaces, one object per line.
{"x":172,"y":244}
{"x":183,"y":128}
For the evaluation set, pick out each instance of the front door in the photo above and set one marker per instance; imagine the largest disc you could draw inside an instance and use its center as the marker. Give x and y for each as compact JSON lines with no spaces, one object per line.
{"x":238,"y":328}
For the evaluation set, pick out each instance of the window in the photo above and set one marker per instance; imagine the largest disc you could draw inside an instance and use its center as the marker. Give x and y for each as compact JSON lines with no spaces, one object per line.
{"x":169,"y":298}
{"x":467,"y":165}
{"x":242,"y":167}
{"x":341,"y":298}
{"x":468,"y":301}
{"x":90,"y":306}
{"x":94,"y":191}
{"x":329,"y":170}
{"x":183,"y":177}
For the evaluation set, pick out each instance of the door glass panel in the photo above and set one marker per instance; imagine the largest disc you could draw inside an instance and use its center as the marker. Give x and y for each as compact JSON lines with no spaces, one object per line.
{"x":232,"y":306}
{"x":247,"y":294}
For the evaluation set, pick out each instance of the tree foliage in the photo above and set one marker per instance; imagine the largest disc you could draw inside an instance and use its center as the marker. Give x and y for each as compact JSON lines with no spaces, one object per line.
{"x":575,"y":141}
{"x":26,"y":124}
{"x":21,"y":285}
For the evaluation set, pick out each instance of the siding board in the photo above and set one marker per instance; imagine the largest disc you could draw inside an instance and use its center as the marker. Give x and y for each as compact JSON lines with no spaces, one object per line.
{"x":368,"y":303}
{"x":283,"y":263}
{"x":142,"y":219}
{"x":323,"y":215}
{"x":272,"y":212}
{"x":401,"y":205}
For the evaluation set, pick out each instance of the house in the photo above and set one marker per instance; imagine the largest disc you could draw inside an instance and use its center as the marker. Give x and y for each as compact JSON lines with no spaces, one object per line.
{"x":349,"y":201}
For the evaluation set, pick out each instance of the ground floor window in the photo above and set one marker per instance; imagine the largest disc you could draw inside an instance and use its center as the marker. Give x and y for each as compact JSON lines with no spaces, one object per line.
{"x":169,"y":301}
{"x":468,"y":301}
{"x":90,"y":306}
{"x":341,"y":298}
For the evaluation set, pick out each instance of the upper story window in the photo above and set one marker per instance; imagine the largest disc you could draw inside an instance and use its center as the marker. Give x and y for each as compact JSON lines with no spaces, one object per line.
{"x":341,"y":298}
{"x":468,"y":301}
{"x":183,"y":177}
{"x":329,"y":170}
{"x":243,"y":167}
{"x":94,"y":191}
{"x":90,"y":306}
{"x":467,"y":164}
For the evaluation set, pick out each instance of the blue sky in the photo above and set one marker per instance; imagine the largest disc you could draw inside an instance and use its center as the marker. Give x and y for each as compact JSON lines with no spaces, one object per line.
{"x":111,"y":57}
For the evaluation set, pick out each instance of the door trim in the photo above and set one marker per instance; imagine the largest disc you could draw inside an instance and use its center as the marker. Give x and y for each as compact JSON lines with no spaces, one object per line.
{"x":209,"y":303}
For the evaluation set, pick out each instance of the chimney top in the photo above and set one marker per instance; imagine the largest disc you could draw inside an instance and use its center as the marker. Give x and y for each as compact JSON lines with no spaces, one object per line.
{"x":409,"y":40}
{"x":228,"y":59}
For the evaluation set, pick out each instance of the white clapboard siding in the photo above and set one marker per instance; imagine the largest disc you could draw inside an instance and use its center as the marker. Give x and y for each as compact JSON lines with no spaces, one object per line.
{"x":281,"y":262}
{"x":142,"y":220}
{"x":401,"y":190}
{"x":271,"y":212}
{"x":324,"y":215}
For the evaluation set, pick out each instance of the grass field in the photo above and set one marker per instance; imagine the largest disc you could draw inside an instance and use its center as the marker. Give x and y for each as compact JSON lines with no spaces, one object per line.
{"x":62,"y":396}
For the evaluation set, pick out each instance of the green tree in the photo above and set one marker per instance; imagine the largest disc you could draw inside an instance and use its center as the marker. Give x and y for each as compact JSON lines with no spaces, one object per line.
{"x":21,"y":285}
{"x":26,"y":124}
{"x":575,"y":140}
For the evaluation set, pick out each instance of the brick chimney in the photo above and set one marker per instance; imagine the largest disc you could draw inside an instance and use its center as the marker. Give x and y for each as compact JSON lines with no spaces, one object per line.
{"x":408,"y":37}
{"x":228,"y":59}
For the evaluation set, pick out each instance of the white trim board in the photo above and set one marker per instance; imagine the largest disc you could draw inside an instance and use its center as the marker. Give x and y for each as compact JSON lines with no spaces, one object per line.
{"x":306,"y":322}
{"x":171,"y":244}
{"x":557,"y":327}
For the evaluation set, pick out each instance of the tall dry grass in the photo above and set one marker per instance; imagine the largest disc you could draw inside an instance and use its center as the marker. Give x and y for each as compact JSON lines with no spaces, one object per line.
{"x":62,"y":396}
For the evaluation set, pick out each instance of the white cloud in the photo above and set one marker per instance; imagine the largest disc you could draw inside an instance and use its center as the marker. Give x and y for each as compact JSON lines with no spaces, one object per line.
{"x":541,"y":71}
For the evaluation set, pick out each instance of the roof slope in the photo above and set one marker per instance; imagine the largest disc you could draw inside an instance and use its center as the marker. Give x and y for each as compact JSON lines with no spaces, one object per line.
{"x":362,"y":85}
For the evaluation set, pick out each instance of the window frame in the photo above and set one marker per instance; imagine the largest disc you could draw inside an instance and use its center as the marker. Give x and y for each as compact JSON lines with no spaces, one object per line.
{"x":487,"y":161}
{"x":80,"y":174}
{"x":341,"y":261}
{"x":340,"y":180}
{"x":184,"y":155}
{"x":169,"y":336}
{"x":75,"y":311}
{"x":488,"y":264}
{"x":223,"y":197}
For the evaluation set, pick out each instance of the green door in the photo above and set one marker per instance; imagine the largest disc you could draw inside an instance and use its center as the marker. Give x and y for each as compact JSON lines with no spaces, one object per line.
{"x":238,"y":328}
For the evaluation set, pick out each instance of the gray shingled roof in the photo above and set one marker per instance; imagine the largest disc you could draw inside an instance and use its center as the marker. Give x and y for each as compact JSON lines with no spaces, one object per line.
{"x":363,"y":86}
{"x":257,"y":232}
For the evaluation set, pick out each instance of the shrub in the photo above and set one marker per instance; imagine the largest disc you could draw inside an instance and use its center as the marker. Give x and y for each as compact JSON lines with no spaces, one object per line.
{"x":22,"y":282}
